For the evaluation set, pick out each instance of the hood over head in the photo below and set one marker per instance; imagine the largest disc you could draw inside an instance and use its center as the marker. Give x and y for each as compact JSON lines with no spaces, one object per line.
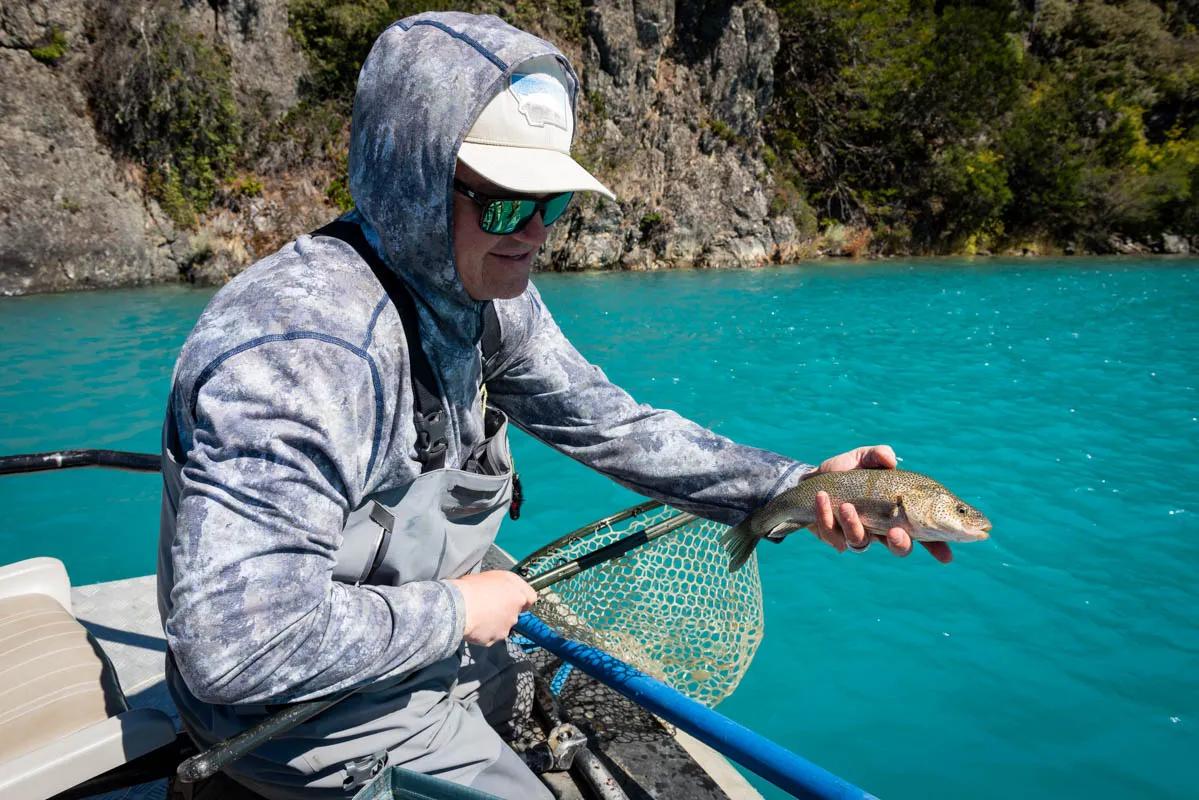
{"x":426,"y":80}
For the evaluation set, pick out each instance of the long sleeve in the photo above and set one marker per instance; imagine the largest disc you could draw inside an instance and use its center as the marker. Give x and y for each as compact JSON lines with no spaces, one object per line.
{"x":550,"y":391}
{"x":283,"y":437}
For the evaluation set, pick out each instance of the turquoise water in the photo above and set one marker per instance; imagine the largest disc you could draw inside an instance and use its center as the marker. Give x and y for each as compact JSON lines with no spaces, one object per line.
{"x":1060,"y":658}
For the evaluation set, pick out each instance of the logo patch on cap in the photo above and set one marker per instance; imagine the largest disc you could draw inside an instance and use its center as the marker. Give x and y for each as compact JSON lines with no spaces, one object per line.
{"x":542,"y":100}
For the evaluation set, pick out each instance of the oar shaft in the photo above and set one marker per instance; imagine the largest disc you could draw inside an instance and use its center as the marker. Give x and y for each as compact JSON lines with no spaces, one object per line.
{"x":65,"y":459}
{"x":211,"y":761}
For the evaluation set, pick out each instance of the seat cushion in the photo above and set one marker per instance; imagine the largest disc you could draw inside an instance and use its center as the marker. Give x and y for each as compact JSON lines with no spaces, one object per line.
{"x":54,"y":678}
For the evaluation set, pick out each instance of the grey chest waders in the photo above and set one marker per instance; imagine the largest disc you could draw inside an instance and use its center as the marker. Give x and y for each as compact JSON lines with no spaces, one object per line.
{"x":441,"y":524}
{"x":438,"y":526}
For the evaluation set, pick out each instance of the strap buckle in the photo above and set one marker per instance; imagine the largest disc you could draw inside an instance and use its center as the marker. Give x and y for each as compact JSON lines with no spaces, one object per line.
{"x":360,"y":771}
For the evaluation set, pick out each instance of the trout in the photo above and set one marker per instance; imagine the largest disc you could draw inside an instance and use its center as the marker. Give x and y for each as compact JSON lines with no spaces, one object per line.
{"x":884,"y":499}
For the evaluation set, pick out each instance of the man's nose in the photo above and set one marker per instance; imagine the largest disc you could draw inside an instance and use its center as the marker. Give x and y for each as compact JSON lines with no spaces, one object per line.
{"x":534,"y":232}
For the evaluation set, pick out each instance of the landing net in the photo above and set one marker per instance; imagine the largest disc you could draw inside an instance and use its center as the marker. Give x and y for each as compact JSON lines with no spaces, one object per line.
{"x":670,"y":607}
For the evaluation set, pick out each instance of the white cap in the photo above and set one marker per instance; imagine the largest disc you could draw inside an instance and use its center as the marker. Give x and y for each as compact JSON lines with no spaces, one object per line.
{"x":521,"y":141}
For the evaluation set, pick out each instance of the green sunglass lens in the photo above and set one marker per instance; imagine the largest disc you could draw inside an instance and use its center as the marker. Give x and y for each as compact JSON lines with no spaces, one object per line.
{"x":502,"y":217}
{"x":505,"y":216}
{"x":555,"y":206}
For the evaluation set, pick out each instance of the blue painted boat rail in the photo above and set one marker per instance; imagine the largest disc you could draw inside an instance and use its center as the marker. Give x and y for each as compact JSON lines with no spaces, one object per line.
{"x":791,"y":773}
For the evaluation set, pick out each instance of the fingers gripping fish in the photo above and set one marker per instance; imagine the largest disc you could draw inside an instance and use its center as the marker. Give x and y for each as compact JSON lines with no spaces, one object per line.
{"x":884,"y":499}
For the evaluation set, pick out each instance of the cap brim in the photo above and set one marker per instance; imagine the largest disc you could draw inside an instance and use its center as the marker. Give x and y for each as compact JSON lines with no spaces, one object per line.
{"x":530,"y":170}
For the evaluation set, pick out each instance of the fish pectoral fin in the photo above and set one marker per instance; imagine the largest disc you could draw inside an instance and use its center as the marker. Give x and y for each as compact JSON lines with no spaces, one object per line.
{"x":779,"y":531}
{"x":897,"y":517}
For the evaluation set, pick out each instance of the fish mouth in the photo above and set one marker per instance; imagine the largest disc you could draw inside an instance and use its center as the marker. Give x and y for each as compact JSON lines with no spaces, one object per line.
{"x":976,"y":534}
{"x":956,"y":535}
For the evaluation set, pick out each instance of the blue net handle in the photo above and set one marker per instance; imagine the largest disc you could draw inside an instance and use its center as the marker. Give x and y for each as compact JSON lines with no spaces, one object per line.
{"x":791,"y":773}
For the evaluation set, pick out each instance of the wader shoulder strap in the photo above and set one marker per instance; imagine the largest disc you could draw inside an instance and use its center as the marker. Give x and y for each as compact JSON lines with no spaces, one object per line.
{"x":430,"y":418}
{"x":491,"y":334}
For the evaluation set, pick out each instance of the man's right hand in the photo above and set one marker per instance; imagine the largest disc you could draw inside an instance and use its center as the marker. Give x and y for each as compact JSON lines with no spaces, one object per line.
{"x":493,"y":600}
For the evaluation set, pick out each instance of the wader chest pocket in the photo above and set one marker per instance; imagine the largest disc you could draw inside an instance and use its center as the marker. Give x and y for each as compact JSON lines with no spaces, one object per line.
{"x":365,"y":540}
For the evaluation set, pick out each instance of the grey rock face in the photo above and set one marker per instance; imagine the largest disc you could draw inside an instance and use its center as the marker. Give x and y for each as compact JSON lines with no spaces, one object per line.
{"x":1175,"y":245}
{"x":69,"y":215}
{"x":28,"y":24}
{"x":675,"y":97}
{"x":267,"y":64}
{"x":74,"y":216}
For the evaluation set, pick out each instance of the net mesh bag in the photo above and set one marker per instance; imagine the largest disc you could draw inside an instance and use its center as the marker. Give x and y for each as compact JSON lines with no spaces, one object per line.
{"x":670,"y":607}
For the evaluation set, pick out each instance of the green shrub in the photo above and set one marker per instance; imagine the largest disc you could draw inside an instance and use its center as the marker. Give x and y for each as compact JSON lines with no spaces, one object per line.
{"x":651,"y":224}
{"x":245,"y":185}
{"x":723,"y":130}
{"x":598,"y":106}
{"x":788,"y":200}
{"x":166,"y":187}
{"x":338,"y":190}
{"x":163,"y":95}
{"x":336,"y":37}
{"x":52,"y":51}
{"x":970,"y":187}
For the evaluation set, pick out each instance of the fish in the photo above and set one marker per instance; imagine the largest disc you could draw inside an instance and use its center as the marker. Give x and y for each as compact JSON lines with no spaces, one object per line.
{"x":884,"y":499}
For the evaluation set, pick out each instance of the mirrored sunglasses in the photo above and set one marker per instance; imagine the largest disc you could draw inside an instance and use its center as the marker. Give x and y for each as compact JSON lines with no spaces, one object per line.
{"x":502,"y":216}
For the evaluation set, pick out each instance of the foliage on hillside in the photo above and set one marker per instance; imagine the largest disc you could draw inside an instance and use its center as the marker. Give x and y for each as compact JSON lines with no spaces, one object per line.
{"x":950,"y":126}
{"x":163,"y":93}
{"x":940,"y":125}
{"x":164,"y":97}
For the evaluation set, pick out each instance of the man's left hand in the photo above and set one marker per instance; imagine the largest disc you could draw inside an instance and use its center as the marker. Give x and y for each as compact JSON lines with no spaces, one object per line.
{"x":842,"y":528}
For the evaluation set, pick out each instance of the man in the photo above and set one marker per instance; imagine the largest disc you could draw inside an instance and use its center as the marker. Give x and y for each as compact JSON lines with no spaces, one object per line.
{"x":332,"y":478}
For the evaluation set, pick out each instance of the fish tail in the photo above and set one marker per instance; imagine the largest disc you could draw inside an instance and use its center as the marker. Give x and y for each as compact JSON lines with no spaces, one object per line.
{"x":740,"y":541}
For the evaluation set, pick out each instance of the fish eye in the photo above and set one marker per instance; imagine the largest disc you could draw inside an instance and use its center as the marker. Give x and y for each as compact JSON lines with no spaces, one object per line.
{"x":962,"y":510}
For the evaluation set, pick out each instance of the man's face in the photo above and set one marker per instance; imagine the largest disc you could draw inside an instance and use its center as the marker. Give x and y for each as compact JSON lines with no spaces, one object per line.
{"x":491,"y":267}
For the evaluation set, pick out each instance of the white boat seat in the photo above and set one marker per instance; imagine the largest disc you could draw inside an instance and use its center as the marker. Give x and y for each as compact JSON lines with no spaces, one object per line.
{"x":54,"y":680}
{"x":63,"y":717}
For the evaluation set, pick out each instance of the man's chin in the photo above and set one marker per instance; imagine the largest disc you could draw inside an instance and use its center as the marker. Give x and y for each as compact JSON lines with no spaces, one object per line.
{"x":507,"y":278}
{"x":502,"y":289}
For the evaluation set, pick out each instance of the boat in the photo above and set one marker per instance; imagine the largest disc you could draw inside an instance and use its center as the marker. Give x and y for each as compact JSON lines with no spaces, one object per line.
{"x":86,"y":712}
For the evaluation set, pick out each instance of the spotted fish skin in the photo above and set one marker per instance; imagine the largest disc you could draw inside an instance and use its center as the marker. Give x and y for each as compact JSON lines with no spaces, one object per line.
{"x":883,"y":498}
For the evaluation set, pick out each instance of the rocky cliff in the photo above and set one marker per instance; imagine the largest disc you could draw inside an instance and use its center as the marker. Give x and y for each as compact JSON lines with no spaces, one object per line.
{"x":671,"y":114}
{"x":675,"y":94}
{"x":70,"y":214}
{"x":75,"y":214}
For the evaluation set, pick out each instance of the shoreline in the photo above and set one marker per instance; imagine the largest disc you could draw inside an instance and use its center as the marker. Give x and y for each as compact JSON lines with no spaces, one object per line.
{"x":830,"y":260}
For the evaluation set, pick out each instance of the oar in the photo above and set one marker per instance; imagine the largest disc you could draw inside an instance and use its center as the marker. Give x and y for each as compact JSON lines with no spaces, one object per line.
{"x":64,"y":459}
